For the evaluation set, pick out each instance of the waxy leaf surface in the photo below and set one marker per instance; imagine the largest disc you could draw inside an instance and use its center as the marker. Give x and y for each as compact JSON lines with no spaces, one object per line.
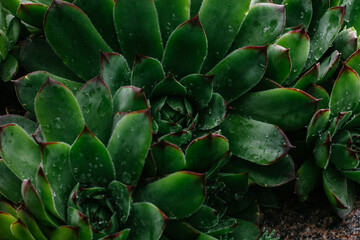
{"x":74,"y":39}
{"x":279,"y":64}
{"x":58,"y":112}
{"x":258,"y":142}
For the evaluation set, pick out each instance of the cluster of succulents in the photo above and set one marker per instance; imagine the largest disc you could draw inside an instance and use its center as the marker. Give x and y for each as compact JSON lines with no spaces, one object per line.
{"x":170,"y":119}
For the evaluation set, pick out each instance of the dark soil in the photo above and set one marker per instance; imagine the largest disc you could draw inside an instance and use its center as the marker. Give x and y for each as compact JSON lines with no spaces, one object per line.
{"x":313,"y":219}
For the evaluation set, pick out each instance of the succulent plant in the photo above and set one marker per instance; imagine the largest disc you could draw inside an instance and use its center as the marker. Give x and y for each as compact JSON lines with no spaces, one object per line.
{"x":171,"y":145}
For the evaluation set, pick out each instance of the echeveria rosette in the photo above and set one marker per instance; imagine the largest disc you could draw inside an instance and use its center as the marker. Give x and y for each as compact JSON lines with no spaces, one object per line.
{"x":333,"y":131}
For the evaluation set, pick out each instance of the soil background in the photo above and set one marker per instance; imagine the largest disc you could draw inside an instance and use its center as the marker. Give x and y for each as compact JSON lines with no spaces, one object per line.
{"x":312,"y":219}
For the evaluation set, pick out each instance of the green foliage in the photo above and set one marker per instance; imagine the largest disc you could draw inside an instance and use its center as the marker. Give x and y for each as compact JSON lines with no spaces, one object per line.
{"x":150,"y":121}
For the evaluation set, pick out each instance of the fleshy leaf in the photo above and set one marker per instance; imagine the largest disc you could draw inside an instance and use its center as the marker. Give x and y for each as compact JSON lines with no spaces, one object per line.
{"x":288,"y":108}
{"x":328,"y":66}
{"x":120,"y":194}
{"x":129,"y":145}
{"x":28,"y":86}
{"x":90,"y":161}
{"x":171,"y":14}
{"x":20,"y":153}
{"x":230,"y":80}
{"x":147,"y":222}
{"x":336,"y":188}
{"x":20,"y":231}
{"x":55,"y":160}
{"x":138,"y":29}
{"x":9,"y":68}
{"x":272,"y":175}
{"x":322,"y":150}
{"x":346,"y":42}
{"x":168,"y":86}
{"x":168,"y":158}
{"x":95,"y":102}
{"x":23,"y":122}
{"x":298,"y":12}
{"x":308,"y":178}
{"x":123,"y":235}
{"x":36,"y":54}
{"x":30,"y":223}
{"x":213,"y":114}
{"x":258,"y":142}
{"x":320,"y":93}
{"x":279,"y":64}
{"x":262,"y":25}
{"x":65,"y":232}
{"x":186,"y":49}
{"x":310,"y":77}
{"x":299,"y":44}
{"x":325,"y":33}
{"x":10,"y":184}
{"x":353,"y":61}
{"x":6,"y":220}
{"x":343,"y":157}
{"x":100,"y":13}
{"x":114,"y":71}
{"x":34,"y":204}
{"x":318,"y":123}
{"x":205,"y":217}
{"x":58,"y":112}
{"x":77,"y":219}
{"x":129,"y":99}
{"x":147,"y":72}
{"x":79,"y":43}
{"x":199,"y":89}
{"x":352,"y":14}
{"x":32,"y":13}
{"x":227,"y":25}
{"x":177,"y":195}
{"x":346,"y":91}
{"x":203,"y":152}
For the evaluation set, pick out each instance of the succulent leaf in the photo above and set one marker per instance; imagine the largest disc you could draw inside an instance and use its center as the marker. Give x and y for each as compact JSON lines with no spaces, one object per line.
{"x":322,"y":150}
{"x":147,"y":222}
{"x":346,"y":91}
{"x":205,"y":217}
{"x":213,"y":114}
{"x":36,"y":54}
{"x":80,"y":44}
{"x":227,"y":26}
{"x":58,"y":112}
{"x":171,"y":14}
{"x":77,"y":219}
{"x":346,"y":42}
{"x":308,"y":178}
{"x":271,"y":175}
{"x":22,"y":159}
{"x":23,"y":122}
{"x":28,"y":86}
{"x":177,"y":195}
{"x":114,"y":71}
{"x":55,"y":160}
{"x":245,"y":230}
{"x":229,"y":79}
{"x":343,"y":157}
{"x":328,"y":66}
{"x":94,"y":99}
{"x":147,"y":72}
{"x":258,"y":142}
{"x":9,"y":68}
{"x":298,"y":12}
{"x":25,"y":216}
{"x":120,"y":194}
{"x":310,"y":77}
{"x":64,"y":232}
{"x":100,"y":12}
{"x":299,"y":44}
{"x":123,"y":235}
{"x":168,"y":158}
{"x":129,"y":99}
{"x":319,"y":92}
{"x":138,"y":29}
{"x":199,"y":89}
{"x":203,"y":152}
{"x":6,"y":220}
{"x":278,"y":106}
{"x":186,"y":49}
{"x":318,"y":123}
{"x":34,"y":203}
{"x":20,"y":231}
{"x":264,"y":20}
{"x":325,"y":33}
{"x":90,"y":161}
{"x":10,"y":184}
{"x":129,"y":145}
{"x":32,"y":13}
{"x":279,"y":64}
